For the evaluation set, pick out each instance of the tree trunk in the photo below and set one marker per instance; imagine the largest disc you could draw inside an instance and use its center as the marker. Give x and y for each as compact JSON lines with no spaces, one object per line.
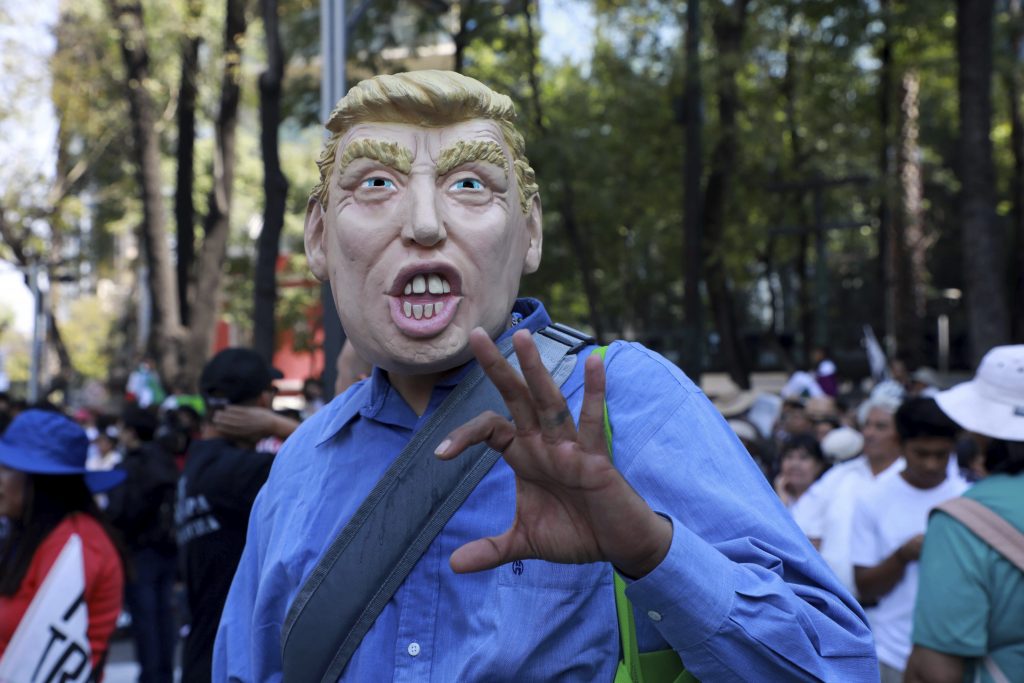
{"x":184,"y":211}
{"x":57,"y":246}
{"x":909,"y":247}
{"x":886,"y":267}
{"x":462,"y":38}
{"x":691,"y":356}
{"x":987,"y":311}
{"x":166,"y":332}
{"x":728,"y":30}
{"x":804,"y":317}
{"x":774,"y":343}
{"x":275,"y":188}
{"x":217,"y":224}
{"x":15,"y":241}
{"x":55,"y":339}
{"x":1014,"y":92}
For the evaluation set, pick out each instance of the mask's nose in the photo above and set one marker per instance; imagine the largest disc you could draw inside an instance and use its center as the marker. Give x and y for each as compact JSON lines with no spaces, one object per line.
{"x":424,"y":225}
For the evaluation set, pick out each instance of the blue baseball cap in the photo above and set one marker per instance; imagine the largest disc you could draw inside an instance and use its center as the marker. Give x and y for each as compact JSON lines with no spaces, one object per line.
{"x":45,"y":442}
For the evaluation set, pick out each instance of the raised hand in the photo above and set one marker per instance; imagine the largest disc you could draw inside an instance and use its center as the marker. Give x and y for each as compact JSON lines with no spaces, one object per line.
{"x":252,"y":423}
{"x":572,"y":505}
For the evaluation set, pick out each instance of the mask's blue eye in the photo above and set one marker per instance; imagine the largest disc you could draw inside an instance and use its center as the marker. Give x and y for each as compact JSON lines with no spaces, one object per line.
{"x":468,"y":184}
{"x":379,"y":182}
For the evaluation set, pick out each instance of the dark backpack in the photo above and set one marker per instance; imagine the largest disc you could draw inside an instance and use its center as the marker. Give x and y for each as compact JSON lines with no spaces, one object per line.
{"x":142,"y":508}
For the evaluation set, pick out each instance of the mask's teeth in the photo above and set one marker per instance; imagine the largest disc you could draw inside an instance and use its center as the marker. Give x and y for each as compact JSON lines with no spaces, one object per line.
{"x":417,"y":311}
{"x":437,"y":308}
{"x":407,"y":309}
{"x":434,"y":283}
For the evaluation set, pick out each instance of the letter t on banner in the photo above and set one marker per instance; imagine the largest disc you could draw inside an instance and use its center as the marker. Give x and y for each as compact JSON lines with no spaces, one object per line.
{"x":51,"y":642}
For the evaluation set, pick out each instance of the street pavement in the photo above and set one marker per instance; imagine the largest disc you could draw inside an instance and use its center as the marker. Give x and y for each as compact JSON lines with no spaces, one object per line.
{"x":121,"y":665}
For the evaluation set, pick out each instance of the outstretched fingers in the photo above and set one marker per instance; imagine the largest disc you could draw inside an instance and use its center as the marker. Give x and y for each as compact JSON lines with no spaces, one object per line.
{"x":510,"y":385}
{"x":552,"y":412}
{"x":487,"y":427}
{"x":591,"y":430}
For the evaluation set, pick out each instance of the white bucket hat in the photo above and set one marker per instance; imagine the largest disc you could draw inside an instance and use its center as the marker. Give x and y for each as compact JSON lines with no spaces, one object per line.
{"x":991,"y":404}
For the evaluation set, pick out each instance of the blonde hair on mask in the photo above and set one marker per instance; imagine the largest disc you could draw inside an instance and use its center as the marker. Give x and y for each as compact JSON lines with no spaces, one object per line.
{"x":429,"y":99}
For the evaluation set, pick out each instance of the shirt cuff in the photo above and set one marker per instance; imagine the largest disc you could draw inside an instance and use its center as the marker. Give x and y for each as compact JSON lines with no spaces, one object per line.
{"x":690,"y":594}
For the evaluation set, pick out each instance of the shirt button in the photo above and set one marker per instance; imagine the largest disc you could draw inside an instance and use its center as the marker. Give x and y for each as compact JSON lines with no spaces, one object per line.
{"x":413,"y":649}
{"x":654,"y":616}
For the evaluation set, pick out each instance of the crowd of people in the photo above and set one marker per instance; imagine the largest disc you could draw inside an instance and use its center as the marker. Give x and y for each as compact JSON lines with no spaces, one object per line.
{"x":625,"y":529}
{"x":861,"y":479}
{"x":159,"y":496}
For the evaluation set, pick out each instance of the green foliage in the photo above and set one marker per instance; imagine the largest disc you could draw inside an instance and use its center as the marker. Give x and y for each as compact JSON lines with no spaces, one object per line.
{"x":89,"y":322}
{"x":809,"y":96}
{"x":605,"y":136}
{"x":15,"y":348}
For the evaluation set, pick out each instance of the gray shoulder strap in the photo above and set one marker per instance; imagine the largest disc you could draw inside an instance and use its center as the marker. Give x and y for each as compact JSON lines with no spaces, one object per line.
{"x":392,"y":528}
{"x":988,"y":526}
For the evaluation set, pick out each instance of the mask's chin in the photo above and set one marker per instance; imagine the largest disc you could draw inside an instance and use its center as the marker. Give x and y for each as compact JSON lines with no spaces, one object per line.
{"x":437,"y":367}
{"x":399,"y":353}
{"x":394,"y":351}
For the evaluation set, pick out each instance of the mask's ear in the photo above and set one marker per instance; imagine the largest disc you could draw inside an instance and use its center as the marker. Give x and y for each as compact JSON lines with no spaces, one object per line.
{"x":314,"y":235}
{"x":535,"y":229}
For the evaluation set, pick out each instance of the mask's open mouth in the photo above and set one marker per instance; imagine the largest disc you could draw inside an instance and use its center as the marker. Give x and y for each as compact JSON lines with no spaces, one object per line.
{"x":424,"y":298}
{"x":425,"y":295}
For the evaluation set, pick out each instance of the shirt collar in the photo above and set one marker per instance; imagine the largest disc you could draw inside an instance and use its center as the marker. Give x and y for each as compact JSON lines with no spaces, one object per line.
{"x":368,"y":396}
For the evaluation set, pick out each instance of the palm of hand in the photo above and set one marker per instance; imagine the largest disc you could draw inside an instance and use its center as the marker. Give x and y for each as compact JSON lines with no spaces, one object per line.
{"x":572,"y":505}
{"x":555,"y":496}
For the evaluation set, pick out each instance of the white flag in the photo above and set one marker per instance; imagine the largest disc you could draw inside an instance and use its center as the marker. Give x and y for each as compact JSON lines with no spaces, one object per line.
{"x":876,"y":356}
{"x":51,"y":643}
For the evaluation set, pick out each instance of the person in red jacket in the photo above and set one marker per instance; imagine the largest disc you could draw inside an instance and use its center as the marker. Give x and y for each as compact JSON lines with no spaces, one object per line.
{"x":46,"y":496}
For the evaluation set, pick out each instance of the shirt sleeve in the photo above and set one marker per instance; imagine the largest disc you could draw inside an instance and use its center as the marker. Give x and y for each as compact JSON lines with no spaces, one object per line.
{"x":104,"y":586}
{"x":953,"y":603}
{"x":741,"y":590}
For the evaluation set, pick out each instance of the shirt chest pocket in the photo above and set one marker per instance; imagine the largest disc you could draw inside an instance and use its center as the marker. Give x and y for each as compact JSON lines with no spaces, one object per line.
{"x":538,"y":574}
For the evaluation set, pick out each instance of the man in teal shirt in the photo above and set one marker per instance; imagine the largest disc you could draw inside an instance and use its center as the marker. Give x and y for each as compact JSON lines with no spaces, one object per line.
{"x":969,"y":617}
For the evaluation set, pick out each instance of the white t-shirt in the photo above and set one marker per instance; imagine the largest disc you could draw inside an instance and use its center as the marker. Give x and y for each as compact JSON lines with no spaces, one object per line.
{"x":825,"y":511}
{"x":888,"y":515}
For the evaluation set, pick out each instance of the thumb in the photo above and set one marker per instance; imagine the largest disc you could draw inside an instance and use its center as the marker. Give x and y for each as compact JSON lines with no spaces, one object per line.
{"x":483,"y":553}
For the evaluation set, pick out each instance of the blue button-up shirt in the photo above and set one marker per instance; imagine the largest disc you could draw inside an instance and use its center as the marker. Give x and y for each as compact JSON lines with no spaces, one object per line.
{"x":741,"y":595}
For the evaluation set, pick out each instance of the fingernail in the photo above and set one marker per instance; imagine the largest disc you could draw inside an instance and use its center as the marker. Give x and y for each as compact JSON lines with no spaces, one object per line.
{"x":442,"y":447}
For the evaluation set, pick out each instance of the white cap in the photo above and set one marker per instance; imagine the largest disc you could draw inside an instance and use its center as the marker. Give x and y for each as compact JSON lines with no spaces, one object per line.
{"x":744,"y":430}
{"x":842,"y":443}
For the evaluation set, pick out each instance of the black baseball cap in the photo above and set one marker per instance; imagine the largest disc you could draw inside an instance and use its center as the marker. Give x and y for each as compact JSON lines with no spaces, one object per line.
{"x":236,"y":375}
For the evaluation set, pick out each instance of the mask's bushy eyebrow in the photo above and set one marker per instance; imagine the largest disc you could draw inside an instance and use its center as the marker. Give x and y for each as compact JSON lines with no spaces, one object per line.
{"x":465,"y":151}
{"x":386,"y":152}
